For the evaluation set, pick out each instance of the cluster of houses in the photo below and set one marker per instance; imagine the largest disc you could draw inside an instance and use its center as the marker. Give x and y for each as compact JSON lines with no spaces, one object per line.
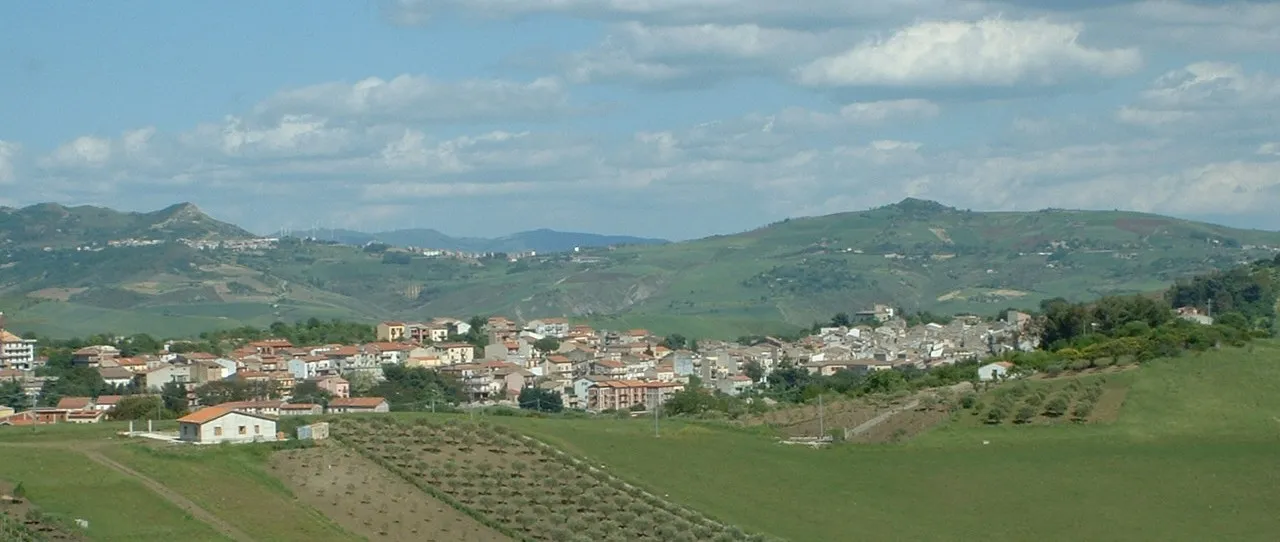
{"x":591,"y":369}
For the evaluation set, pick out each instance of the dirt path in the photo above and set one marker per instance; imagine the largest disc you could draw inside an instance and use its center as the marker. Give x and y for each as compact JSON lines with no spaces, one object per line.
{"x":870,"y":424}
{"x":227,"y":529}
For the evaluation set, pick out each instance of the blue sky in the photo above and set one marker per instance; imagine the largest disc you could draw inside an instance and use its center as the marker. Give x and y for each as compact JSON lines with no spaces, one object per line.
{"x":671,"y":118}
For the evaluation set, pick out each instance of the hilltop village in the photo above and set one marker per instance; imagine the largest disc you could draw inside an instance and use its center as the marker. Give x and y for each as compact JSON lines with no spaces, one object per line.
{"x":590,"y":369}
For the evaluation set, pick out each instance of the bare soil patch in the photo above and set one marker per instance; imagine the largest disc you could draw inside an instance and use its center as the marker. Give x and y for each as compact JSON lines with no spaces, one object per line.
{"x":1109,"y":405}
{"x":367,"y":500}
{"x":802,"y":421}
{"x":56,"y":294}
{"x":903,"y":425}
{"x":20,"y":520}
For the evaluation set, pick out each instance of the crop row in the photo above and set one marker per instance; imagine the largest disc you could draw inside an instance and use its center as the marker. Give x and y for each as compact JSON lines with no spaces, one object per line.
{"x":523,"y":486}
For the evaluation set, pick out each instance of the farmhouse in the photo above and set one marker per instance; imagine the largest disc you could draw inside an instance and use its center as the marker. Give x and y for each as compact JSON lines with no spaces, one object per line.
{"x":994,"y":371}
{"x":352,"y":405}
{"x":214,"y":425}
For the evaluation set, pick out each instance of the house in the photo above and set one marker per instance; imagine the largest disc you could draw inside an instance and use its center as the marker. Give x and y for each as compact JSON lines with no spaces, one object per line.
{"x":269,"y":407}
{"x":116,"y":376}
{"x":391,"y":331}
{"x":215,"y":425}
{"x":92,"y":356}
{"x":86,"y":416}
{"x":301,"y":409}
{"x":455,"y":353}
{"x":336,"y":386}
{"x":994,"y":371}
{"x":16,"y":352}
{"x":74,"y":403}
{"x":625,"y":394}
{"x":134,"y":365}
{"x":353,"y":405}
{"x":269,"y":347}
{"x":158,"y":377}
{"x":549,"y":327}
{"x":106,"y":403}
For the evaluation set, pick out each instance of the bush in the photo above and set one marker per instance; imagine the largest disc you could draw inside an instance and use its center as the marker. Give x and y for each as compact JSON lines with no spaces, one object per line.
{"x":1080,"y":365}
{"x":1053,"y":369}
{"x":1082,"y":411}
{"x":968,"y":400}
{"x":996,"y":415}
{"x":1056,"y":407}
{"x":1025,"y":415}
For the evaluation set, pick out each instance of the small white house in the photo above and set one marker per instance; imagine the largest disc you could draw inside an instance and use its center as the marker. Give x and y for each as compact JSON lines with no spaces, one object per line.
{"x":993,"y":372}
{"x":215,"y":425}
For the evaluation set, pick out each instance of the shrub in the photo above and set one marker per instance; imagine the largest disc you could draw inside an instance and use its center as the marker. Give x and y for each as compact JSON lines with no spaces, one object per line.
{"x":1025,"y":415}
{"x":1082,"y":411}
{"x":996,"y":415}
{"x":1053,"y":369}
{"x":1056,"y":407}
{"x":969,"y":400}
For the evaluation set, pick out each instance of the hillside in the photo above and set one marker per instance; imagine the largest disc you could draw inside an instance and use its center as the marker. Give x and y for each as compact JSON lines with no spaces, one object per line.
{"x":541,"y":240}
{"x":916,"y":255}
{"x":53,"y":225}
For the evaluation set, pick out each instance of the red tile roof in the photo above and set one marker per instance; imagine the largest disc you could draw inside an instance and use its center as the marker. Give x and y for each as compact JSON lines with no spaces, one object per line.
{"x":205,"y":415}
{"x":358,"y":402}
{"x":74,"y":403}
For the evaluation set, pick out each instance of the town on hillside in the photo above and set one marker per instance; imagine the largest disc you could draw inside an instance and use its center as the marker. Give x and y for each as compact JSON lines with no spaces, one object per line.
{"x":588,"y":369}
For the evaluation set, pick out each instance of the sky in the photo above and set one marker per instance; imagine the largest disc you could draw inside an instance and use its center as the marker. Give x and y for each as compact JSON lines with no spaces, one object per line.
{"x":666,"y":118}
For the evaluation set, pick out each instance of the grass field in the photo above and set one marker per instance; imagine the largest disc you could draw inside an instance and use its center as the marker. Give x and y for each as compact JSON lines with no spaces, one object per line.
{"x":65,"y":484}
{"x":232,"y":483}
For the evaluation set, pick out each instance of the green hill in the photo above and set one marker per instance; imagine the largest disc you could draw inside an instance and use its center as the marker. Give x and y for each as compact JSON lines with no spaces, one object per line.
{"x":53,"y":225}
{"x":916,"y":255}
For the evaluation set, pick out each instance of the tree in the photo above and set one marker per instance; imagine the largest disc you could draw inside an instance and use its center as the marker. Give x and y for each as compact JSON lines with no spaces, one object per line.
{"x":224,"y":391}
{"x":309,"y":391}
{"x":753,"y":370}
{"x":841,"y":319}
{"x":1025,"y":415}
{"x":1056,"y":407}
{"x":11,"y":395}
{"x":676,"y":341}
{"x":141,"y":407}
{"x":541,"y":400}
{"x":174,"y":395}
{"x":547,"y":345}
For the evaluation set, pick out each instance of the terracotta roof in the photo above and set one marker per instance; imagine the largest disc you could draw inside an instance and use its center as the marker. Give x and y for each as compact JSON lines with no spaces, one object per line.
{"x":205,"y":415}
{"x":115,"y":373}
{"x":107,"y":400}
{"x":88,"y":414}
{"x":358,"y":402}
{"x":7,"y":337}
{"x":393,"y":324}
{"x":74,"y":403}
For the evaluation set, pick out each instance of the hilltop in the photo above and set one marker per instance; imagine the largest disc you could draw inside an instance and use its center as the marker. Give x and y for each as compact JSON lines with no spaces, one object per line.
{"x":53,"y":225}
{"x":916,"y":255}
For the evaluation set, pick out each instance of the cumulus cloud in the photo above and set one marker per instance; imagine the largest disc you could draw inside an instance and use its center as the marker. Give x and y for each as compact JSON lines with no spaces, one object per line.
{"x":637,"y":52}
{"x":985,"y":53}
{"x":1206,"y":94}
{"x":415,"y":98}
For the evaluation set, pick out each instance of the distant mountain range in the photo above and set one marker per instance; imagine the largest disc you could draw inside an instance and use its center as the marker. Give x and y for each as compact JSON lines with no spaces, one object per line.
{"x":915,"y":255}
{"x":541,"y":240}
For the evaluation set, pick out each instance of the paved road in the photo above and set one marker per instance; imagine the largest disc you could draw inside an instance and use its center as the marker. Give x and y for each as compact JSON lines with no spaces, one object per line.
{"x":227,"y":529}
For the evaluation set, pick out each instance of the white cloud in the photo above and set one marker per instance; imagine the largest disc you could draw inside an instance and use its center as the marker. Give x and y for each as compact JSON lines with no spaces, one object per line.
{"x":658,"y":54}
{"x":81,"y":152}
{"x":872,"y":112}
{"x":1270,"y":148}
{"x":413,"y":98}
{"x":8,"y":161}
{"x":1203,"y":94}
{"x":1223,"y":26}
{"x":988,"y":52}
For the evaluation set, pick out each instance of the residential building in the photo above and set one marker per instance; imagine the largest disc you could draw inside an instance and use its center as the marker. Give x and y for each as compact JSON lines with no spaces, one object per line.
{"x":215,"y":425}
{"x":624,"y":394}
{"x":354,"y":405}
{"x":336,"y":386}
{"x":455,"y":353}
{"x":549,"y":327}
{"x":92,"y":356}
{"x":116,"y":376}
{"x":301,"y":409}
{"x":268,"y":347}
{"x":391,"y":331}
{"x":16,"y":352}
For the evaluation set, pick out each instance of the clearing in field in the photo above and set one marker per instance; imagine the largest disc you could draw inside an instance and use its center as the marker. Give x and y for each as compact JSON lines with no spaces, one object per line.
{"x":370,"y":501}
{"x":56,"y":294}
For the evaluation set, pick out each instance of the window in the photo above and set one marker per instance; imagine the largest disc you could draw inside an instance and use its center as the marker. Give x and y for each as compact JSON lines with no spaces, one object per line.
{"x":242,"y":430}
{"x":217,"y":431}
{"x":257,"y":430}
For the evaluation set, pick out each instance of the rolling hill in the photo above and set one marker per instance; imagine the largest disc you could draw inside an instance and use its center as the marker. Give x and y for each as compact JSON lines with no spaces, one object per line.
{"x":915,"y":254}
{"x":53,"y":225}
{"x":541,"y":240}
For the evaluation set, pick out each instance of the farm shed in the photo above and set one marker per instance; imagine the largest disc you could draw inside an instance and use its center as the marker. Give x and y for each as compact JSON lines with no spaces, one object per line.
{"x":214,"y":425}
{"x":315,"y":431}
{"x":994,"y":371}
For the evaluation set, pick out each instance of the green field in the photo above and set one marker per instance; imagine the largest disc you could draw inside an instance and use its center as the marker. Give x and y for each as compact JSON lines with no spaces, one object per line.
{"x":232,"y":483}
{"x":67,"y":485}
